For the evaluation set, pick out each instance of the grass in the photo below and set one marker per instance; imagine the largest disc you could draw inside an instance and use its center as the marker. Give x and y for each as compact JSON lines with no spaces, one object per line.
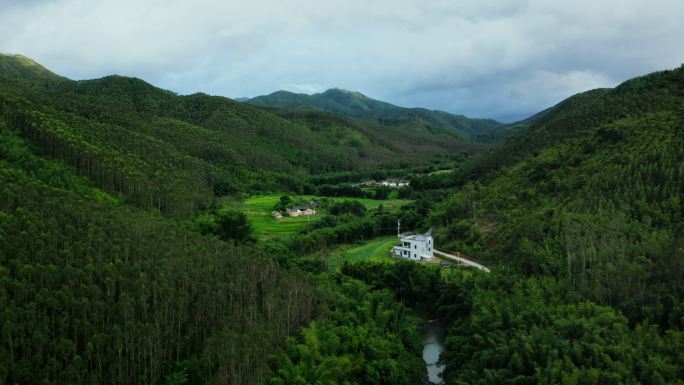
{"x":258,"y":210}
{"x":376,"y":250}
{"x":438,"y":172}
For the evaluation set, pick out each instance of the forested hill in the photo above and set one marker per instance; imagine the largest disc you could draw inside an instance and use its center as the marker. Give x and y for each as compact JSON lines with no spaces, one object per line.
{"x":175,"y":153}
{"x":95,"y":292}
{"x":97,"y":287}
{"x":358,"y":105}
{"x":602,"y":113}
{"x":591,"y":196}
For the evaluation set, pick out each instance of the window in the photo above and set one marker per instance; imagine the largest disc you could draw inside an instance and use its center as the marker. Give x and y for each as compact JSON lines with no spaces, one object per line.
{"x":415,"y":246}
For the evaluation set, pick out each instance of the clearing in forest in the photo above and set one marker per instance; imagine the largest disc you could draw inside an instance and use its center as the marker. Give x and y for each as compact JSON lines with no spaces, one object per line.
{"x":258,"y":210}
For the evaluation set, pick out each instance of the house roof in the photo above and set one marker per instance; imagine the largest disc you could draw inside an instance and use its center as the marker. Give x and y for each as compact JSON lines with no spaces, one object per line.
{"x":417,"y":237}
{"x":300,"y":208}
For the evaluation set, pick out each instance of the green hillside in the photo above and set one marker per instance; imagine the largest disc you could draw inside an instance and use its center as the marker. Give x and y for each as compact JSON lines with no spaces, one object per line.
{"x":137,"y":246}
{"x":91,"y":288}
{"x":357,"y":105}
{"x":590,"y":195}
{"x":97,"y":287}
{"x":604,"y":169}
{"x":24,"y":69}
{"x":175,"y":153}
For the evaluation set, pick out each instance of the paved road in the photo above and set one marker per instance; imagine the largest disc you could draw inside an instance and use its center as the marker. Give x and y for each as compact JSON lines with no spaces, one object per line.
{"x":461,"y":260}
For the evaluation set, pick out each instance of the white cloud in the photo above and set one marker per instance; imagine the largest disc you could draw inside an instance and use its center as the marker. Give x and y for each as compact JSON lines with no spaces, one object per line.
{"x":485,"y":58}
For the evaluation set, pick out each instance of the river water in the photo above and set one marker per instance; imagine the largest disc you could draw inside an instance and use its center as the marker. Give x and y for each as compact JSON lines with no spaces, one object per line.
{"x":433,"y":333}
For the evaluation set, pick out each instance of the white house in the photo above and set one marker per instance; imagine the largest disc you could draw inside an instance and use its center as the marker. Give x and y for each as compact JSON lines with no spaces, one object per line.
{"x":298,"y":211}
{"x":415,"y":247}
{"x":277,"y":214}
{"x":395,"y":182}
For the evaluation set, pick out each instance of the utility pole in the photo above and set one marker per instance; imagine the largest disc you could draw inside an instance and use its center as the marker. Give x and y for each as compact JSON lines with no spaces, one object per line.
{"x":398,"y":228}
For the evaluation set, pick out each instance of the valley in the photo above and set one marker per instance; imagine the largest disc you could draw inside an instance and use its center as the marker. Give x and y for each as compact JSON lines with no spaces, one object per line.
{"x":259,"y":212}
{"x":140,"y":241}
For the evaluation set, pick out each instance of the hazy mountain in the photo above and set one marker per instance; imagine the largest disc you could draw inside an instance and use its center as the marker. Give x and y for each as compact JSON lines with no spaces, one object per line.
{"x":357,"y":105}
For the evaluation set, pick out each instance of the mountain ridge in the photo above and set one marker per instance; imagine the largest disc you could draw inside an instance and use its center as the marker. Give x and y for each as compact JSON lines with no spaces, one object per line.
{"x":357,"y":105}
{"x":176,"y":152}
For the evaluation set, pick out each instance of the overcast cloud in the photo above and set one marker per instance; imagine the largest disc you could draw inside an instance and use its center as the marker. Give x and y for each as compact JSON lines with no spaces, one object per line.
{"x":488,"y":58}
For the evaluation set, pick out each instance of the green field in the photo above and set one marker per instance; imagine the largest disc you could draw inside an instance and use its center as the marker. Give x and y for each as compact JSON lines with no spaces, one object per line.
{"x":376,"y":250}
{"x":258,"y":209}
{"x":438,"y":172}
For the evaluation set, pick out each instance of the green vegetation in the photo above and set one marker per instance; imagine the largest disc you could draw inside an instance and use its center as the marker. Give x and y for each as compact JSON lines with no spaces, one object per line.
{"x":175,"y":153}
{"x":94,"y":291}
{"x":598,"y":203}
{"x":533,"y":332}
{"x":128,"y":256}
{"x":376,"y":250}
{"x":357,"y":105}
{"x":590,"y":196}
{"x":258,"y":210}
{"x":365,"y":337}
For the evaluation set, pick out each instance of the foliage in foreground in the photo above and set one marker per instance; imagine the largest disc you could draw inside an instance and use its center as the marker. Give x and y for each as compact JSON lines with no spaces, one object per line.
{"x":96,"y":292}
{"x":532,"y":334}
{"x":365,"y":337}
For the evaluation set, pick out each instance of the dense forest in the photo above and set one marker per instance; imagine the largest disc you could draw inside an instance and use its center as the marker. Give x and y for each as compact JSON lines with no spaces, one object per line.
{"x":175,"y":153}
{"x":119,"y":265}
{"x":358,"y":105}
{"x":95,"y":291}
{"x":584,"y":206}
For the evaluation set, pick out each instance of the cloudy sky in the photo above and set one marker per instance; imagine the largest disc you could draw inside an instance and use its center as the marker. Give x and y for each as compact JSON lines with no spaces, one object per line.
{"x":487,"y":58}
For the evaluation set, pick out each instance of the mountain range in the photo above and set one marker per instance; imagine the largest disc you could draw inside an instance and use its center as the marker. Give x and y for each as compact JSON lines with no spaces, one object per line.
{"x":107,"y":277}
{"x":358,"y":105}
{"x":200,"y":144}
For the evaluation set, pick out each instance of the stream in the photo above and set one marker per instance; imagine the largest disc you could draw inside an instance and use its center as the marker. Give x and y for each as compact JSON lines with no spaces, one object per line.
{"x":433,"y":333}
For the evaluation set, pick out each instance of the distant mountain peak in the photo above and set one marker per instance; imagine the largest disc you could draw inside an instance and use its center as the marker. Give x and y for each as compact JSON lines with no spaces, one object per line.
{"x":357,"y":105}
{"x":22,"y":67}
{"x":343,"y":91}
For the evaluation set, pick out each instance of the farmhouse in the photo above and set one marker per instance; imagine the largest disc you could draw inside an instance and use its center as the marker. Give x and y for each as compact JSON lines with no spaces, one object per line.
{"x":415,"y":247}
{"x":298,"y":211}
{"x":277,"y":214}
{"x":395,"y":182}
{"x":366,"y":183}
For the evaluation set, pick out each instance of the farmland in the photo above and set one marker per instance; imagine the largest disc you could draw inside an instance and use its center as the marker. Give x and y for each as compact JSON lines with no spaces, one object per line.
{"x":376,"y":250}
{"x":258,"y":210}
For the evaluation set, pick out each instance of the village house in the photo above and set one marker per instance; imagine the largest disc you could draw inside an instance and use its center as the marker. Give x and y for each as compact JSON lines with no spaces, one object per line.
{"x":415,"y":247}
{"x":368,"y":183}
{"x":395,"y":182}
{"x":298,"y":211}
{"x":277,"y":214}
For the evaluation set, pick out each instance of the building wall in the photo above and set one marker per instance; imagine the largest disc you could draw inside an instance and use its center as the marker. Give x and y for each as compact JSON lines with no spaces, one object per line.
{"x":417,"y":248}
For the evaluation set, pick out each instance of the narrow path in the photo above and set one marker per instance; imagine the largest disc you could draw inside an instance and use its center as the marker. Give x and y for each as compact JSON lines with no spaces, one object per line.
{"x":461,"y":260}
